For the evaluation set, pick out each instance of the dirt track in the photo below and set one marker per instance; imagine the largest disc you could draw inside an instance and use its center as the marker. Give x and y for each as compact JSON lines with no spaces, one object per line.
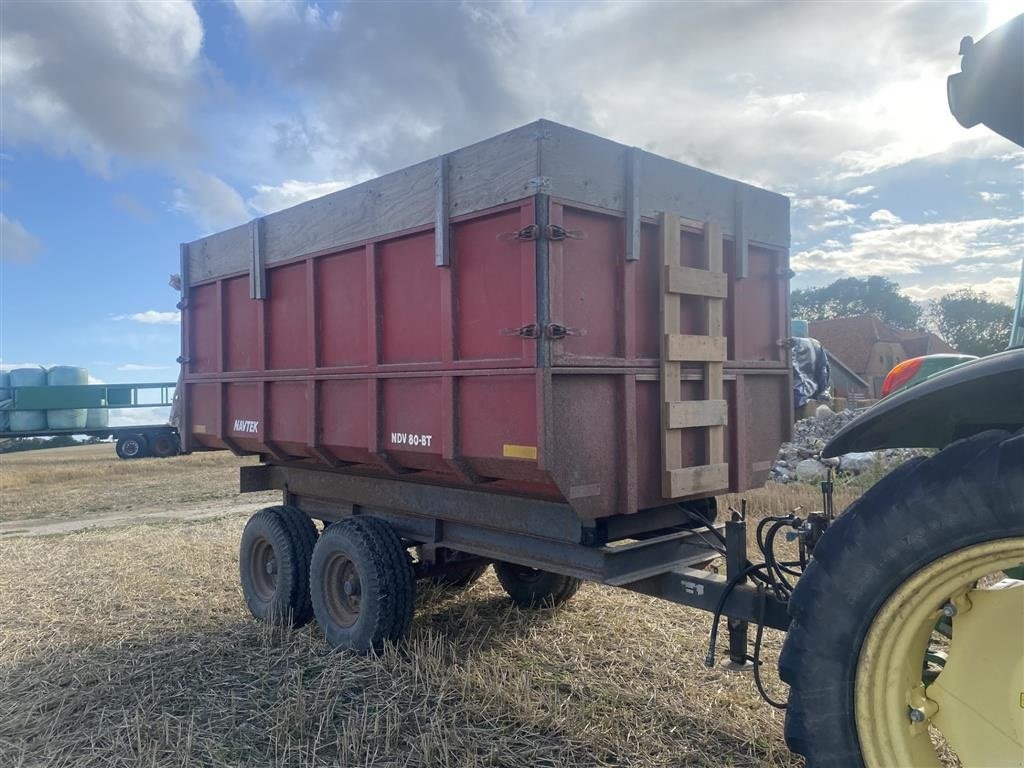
{"x":63,"y":490}
{"x":48,"y":526}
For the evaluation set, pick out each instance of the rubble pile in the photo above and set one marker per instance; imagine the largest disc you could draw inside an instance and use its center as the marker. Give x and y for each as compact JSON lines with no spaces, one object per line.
{"x":800,"y":460}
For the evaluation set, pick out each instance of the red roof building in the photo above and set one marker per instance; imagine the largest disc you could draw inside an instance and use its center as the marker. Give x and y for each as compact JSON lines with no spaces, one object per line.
{"x":870,"y":348}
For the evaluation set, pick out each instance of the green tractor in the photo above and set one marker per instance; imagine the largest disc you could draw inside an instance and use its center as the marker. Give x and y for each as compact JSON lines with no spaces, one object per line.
{"x":907,"y":635}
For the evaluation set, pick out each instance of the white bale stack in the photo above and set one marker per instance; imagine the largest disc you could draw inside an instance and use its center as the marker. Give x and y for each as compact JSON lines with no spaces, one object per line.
{"x":28,"y":421}
{"x":97,"y":418}
{"x":66,"y":418}
{"x":5,"y":397}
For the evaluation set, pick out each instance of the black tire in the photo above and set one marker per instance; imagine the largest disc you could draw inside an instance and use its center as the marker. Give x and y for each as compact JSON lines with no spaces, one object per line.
{"x":163,"y":445}
{"x":460,"y":577}
{"x":362,"y":585}
{"x":273,"y":564}
{"x":969,"y":493}
{"x":132,"y":447}
{"x":532,"y":588}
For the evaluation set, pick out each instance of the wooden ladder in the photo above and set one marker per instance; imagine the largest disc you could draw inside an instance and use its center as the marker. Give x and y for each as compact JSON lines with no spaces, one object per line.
{"x":711,"y":412}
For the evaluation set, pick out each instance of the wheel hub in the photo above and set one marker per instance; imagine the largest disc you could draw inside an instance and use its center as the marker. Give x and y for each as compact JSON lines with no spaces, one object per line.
{"x":263,"y":568}
{"x":974,"y":701}
{"x":979,"y":696}
{"x":343,"y":590}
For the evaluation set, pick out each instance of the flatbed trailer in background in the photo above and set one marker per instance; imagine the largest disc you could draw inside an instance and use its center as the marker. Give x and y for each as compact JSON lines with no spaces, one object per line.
{"x":133,"y":441}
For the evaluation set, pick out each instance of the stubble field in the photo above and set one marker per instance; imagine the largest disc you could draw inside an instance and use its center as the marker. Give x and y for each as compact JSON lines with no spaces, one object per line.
{"x":131,"y":645}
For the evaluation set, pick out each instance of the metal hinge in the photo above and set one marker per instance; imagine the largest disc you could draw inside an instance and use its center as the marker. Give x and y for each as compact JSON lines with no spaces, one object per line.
{"x":182,"y":304}
{"x":555,"y":232}
{"x":529,"y":232}
{"x":181,"y":360}
{"x":557,"y":331}
{"x":531,"y":331}
{"x":787,"y":273}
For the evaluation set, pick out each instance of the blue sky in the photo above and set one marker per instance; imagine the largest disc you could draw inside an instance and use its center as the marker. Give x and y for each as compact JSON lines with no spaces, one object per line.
{"x":129,"y":128}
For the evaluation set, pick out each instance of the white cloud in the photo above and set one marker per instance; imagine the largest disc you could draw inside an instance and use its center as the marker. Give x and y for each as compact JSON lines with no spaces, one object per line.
{"x":270,"y":198}
{"x":991,"y":197}
{"x":143,"y":367}
{"x":209,"y":201}
{"x":152,"y":317}
{"x":101,"y":79}
{"x":909,"y":249}
{"x":857,"y":191}
{"x":1002,"y":289}
{"x":12,"y":366}
{"x":17,"y":244}
{"x":885,"y":216}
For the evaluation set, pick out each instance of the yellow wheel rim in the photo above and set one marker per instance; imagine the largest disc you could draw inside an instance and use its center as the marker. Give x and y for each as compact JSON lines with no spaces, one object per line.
{"x":977,"y":701}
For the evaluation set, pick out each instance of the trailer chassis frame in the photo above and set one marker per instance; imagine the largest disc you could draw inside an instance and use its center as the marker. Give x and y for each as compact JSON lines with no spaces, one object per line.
{"x":648,"y":552}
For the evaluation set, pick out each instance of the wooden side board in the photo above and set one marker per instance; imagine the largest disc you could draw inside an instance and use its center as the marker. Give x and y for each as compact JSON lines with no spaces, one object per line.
{"x":539,"y":157}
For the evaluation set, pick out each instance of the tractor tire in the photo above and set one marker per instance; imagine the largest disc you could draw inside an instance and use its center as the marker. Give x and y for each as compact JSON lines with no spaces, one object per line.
{"x":533,"y":588}
{"x":132,"y":447}
{"x":273,"y":564}
{"x":869,"y":579}
{"x":362,"y":585}
{"x":164,"y":445}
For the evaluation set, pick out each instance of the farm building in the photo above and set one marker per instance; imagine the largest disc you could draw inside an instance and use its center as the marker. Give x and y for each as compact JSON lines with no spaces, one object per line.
{"x":870,"y":348}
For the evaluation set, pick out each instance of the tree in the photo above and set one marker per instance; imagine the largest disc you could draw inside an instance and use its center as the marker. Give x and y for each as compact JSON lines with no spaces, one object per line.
{"x":972,"y":322}
{"x":858,"y":296}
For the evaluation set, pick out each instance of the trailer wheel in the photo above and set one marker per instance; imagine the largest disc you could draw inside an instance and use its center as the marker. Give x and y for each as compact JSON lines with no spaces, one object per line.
{"x":460,"y":578}
{"x":164,"y":445}
{"x":533,"y":588}
{"x":273,"y":563}
{"x":362,"y":585}
{"x":132,"y":447}
{"x":871,"y":680}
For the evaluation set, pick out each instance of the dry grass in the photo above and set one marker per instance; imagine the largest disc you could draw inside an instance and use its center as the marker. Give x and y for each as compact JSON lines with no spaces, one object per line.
{"x":89,"y":480}
{"x":133,"y":647}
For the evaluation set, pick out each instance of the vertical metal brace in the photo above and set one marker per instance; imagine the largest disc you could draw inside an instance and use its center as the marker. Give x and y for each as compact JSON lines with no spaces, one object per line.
{"x":258,"y":268}
{"x":740,"y":233}
{"x":632,"y":204}
{"x":183,"y":271}
{"x":442,"y":230}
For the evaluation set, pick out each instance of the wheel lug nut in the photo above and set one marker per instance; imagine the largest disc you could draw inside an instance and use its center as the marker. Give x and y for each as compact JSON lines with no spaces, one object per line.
{"x":917,"y":715}
{"x":949,"y":610}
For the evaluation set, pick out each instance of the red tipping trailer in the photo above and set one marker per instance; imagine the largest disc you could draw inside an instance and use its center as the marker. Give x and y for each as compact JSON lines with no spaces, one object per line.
{"x":518,"y":348}
{"x":522,"y":351}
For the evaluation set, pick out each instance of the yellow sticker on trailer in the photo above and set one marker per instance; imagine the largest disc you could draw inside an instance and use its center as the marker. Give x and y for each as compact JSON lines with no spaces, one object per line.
{"x":519,"y":451}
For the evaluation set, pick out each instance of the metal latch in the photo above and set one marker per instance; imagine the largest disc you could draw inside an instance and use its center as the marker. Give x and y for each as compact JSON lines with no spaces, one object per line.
{"x":531,"y":331}
{"x":555,"y":232}
{"x":529,"y":232}
{"x":557,"y":331}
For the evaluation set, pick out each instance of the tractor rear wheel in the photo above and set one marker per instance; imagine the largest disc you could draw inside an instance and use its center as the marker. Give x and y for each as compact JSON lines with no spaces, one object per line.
{"x":906,"y":641}
{"x":533,"y":588}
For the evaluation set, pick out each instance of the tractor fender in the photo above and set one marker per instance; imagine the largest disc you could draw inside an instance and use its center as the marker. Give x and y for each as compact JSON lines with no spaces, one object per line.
{"x":965,"y":400}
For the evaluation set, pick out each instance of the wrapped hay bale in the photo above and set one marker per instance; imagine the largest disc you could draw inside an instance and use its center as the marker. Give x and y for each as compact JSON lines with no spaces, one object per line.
{"x":28,"y":421}
{"x":66,"y":418}
{"x":5,"y":397}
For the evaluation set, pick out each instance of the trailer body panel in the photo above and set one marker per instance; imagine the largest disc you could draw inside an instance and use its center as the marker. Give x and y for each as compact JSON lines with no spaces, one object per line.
{"x":515,"y":350}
